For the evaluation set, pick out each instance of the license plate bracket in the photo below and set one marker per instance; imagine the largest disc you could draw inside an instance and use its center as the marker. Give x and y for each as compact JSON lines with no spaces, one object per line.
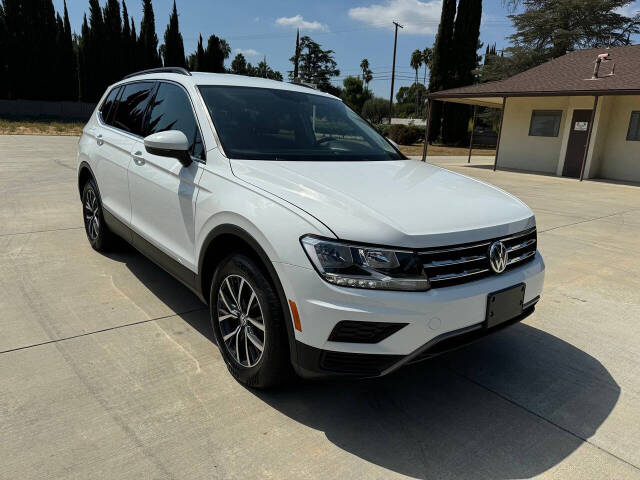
{"x":504,"y":305}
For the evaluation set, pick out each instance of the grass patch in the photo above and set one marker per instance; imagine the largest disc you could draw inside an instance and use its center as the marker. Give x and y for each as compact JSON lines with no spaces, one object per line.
{"x":10,"y":126}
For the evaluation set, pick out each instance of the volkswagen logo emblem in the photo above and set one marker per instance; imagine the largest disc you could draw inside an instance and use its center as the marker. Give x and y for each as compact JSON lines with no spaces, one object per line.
{"x":498,"y":257}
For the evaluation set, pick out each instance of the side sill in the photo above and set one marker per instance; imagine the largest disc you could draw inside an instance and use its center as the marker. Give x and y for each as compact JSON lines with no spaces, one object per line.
{"x":153,"y":253}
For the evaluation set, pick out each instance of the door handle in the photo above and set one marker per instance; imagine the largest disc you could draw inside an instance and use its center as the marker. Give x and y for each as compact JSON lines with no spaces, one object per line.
{"x":138,"y":159}
{"x":99,"y":140}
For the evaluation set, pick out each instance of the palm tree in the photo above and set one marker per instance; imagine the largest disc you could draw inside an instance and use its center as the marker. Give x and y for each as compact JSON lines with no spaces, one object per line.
{"x":427,"y":58}
{"x":416,"y":63}
{"x":367,"y":74}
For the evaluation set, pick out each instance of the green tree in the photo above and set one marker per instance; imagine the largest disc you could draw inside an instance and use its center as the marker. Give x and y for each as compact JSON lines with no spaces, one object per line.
{"x":67,"y":64}
{"x":316,"y":65}
{"x":196,"y":59}
{"x":239,"y":65}
{"x":148,"y":40}
{"x":296,"y":56}
{"x":354,"y":93}
{"x":173,"y":48}
{"x":128,"y":42}
{"x":441,"y":64}
{"x":367,"y":74}
{"x":548,"y":29}
{"x":215,"y":54}
{"x":465,"y":44}
{"x":4,"y":72}
{"x":416,"y":63}
{"x":376,"y":110}
{"x":427,"y":59}
{"x":264,"y":70}
{"x":112,"y":62}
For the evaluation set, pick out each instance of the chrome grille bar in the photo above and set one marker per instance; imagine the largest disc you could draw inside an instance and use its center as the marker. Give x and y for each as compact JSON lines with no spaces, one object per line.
{"x":453,"y":276}
{"x":446,"y":263}
{"x":524,"y":244}
{"x":522,"y":257}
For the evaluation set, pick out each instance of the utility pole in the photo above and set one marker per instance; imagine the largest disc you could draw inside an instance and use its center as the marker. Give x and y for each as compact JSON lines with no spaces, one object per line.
{"x":393,"y":70}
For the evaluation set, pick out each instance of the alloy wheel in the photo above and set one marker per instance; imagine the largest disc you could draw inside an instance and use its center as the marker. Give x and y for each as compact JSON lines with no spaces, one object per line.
{"x":241,"y":320}
{"x":91,"y":214}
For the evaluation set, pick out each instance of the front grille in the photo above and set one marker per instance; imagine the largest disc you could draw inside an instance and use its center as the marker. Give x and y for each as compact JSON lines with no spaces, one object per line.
{"x":464,"y":263}
{"x":363,"y":332}
{"x":357,"y":363}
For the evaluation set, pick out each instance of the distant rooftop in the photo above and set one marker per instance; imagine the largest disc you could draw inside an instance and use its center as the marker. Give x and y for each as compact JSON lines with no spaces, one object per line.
{"x":567,"y":75}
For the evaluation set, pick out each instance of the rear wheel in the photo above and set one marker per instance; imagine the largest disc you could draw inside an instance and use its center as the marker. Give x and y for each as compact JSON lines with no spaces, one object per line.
{"x":96,"y":229}
{"x":248,"y":323}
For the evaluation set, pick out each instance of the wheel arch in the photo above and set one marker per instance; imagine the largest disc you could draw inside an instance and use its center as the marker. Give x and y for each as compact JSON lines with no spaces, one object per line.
{"x":226,"y":239}
{"x":84,"y":174}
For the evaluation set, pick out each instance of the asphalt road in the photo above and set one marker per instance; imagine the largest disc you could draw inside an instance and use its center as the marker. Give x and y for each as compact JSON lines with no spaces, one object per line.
{"x":108,"y":368}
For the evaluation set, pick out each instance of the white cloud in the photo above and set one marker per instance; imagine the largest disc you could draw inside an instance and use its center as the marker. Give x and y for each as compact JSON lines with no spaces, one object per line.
{"x":415,"y":16}
{"x":247,"y":52}
{"x":629,"y":10}
{"x":299,"y":22}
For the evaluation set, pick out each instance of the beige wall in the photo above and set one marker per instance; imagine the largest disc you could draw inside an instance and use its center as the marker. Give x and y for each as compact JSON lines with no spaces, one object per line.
{"x":520,"y":151}
{"x":618,"y":158}
{"x":610,"y":155}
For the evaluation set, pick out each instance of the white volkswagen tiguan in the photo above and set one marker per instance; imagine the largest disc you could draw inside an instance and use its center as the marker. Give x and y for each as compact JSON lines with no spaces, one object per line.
{"x":318,"y":246}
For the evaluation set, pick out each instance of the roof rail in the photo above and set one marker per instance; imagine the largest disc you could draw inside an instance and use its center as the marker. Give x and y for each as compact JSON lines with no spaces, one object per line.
{"x":180,"y":70}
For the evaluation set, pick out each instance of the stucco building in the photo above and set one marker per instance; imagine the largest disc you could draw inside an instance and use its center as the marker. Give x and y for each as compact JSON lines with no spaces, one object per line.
{"x":563,"y":118}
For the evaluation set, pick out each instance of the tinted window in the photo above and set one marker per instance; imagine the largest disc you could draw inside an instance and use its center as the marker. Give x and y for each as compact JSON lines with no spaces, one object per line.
{"x":131,"y":107}
{"x":634,"y":127}
{"x":107,"y":105}
{"x":171,"y":110}
{"x":275,"y":124}
{"x":545,"y":123}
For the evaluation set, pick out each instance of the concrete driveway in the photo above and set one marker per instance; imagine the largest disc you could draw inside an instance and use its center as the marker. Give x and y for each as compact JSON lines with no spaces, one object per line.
{"x":108,"y":368}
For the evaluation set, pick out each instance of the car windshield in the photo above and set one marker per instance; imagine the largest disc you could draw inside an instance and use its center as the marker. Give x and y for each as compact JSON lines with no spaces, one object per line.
{"x":273,"y":124}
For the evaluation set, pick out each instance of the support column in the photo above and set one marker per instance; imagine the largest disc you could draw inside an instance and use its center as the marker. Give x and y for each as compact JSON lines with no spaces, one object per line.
{"x":473,"y":127}
{"x":426,"y":131}
{"x":495,"y":161}
{"x":586,"y":148}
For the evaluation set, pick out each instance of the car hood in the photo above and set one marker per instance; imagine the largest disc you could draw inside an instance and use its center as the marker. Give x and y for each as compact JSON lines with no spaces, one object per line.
{"x":400,"y":203}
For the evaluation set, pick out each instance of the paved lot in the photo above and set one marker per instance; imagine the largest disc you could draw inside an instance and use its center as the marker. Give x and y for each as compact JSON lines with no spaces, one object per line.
{"x":108,"y":368}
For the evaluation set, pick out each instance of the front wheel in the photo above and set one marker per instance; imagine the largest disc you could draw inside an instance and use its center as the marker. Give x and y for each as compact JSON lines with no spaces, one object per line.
{"x":248,"y":323}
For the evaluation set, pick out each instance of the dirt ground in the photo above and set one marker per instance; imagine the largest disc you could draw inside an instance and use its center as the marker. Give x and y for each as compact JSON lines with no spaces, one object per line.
{"x":39,"y":127}
{"x":441,"y":150}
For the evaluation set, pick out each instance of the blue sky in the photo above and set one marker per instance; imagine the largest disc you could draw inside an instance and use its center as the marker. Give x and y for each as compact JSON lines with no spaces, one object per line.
{"x":353,"y":29}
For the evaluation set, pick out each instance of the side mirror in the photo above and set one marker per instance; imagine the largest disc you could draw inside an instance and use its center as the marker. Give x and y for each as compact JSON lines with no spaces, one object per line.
{"x":392,"y":143}
{"x":172,"y":143}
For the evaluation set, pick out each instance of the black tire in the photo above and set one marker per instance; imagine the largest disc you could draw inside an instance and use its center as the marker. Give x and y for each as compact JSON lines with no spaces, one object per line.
{"x":98,"y":234}
{"x":272,"y":367}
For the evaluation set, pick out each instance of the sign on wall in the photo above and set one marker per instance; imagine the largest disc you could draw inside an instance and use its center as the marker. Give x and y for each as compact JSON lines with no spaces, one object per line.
{"x":581,"y":126}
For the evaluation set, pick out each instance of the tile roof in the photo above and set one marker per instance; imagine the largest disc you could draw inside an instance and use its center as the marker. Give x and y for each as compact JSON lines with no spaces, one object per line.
{"x":569,"y":74}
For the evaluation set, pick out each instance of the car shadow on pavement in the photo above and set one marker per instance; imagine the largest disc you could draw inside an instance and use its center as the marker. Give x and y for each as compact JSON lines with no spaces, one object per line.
{"x":512,"y":405}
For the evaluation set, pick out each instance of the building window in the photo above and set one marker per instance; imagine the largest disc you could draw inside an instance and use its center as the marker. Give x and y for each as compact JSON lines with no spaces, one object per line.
{"x":545,"y":123}
{"x":634,"y":127}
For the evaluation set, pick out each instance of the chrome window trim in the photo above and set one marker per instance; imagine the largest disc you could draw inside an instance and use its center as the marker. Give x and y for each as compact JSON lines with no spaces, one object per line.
{"x":211,"y":125}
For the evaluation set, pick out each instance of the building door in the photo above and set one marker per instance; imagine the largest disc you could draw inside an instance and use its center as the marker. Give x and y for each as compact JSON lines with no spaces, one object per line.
{"x":577,"y":143}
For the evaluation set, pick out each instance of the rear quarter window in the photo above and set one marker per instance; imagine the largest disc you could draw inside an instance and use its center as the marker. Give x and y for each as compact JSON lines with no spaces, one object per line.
{"x":132,"y":106}
{"x":106,"y":109}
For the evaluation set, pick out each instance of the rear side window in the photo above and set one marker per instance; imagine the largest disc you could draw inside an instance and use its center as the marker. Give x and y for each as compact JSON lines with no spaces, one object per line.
{"x":171,"y":110}
{"x":107,"y":106}
{"x":129,"y":114}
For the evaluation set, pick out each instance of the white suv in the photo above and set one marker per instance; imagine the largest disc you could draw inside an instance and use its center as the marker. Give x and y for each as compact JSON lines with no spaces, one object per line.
{"x":315,"y":242}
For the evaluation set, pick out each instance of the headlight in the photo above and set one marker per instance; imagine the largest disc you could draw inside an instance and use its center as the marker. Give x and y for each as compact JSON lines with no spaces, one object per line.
{"x":362,"y":266}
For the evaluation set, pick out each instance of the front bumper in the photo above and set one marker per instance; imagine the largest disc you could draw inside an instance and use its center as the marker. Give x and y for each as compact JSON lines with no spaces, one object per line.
{"x":430,"y":317}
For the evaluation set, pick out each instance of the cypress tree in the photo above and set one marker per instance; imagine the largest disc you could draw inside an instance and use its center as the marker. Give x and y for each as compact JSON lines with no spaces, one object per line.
{"x":215,"y":54}
{"x":465,"y":45}
{"x":441,"y":64}
{"x":83,"y":50}
{"x":68,"y":62}
{"x":173,"y":51}
{"x":4,"y":73}
{"x":148,"y":40}
{"x":135,"y":51}
{"x":112,"y":66}
{"x":296,"y":56}
{"x":127,"y":49}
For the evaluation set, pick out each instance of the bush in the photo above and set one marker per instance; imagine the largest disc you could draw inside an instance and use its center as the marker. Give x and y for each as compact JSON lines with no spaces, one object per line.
{"x":375,"y":109}
{"x":402,"y":134}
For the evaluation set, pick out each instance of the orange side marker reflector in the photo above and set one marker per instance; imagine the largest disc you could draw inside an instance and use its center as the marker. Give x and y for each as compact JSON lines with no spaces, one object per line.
{"x":296,"y":315}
